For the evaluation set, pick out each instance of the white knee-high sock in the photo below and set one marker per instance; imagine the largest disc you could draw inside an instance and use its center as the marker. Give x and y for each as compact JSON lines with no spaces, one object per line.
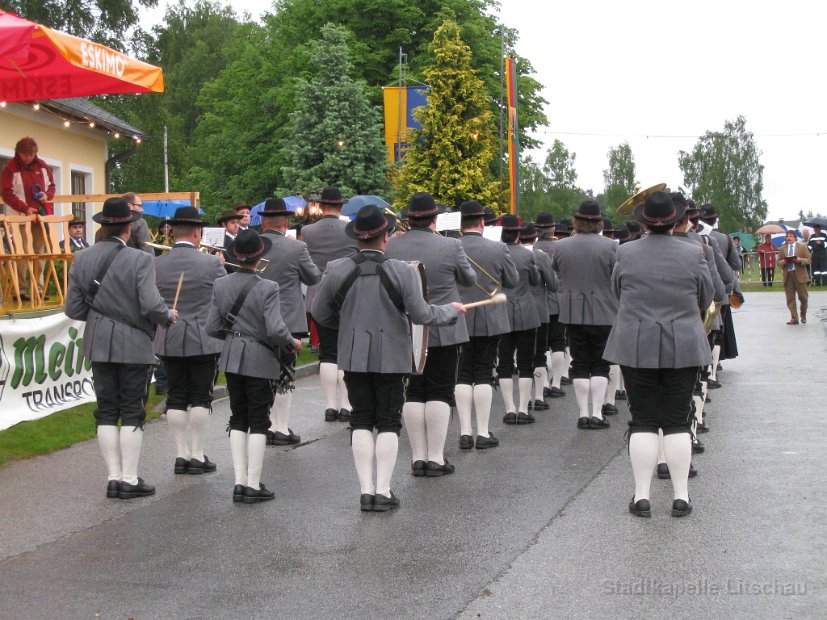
{"x":597,"y":386}
{"x":540,"y":382}
{"x":716,"y":356}
{"x":199,"y":418}
{"x":699,"y":407}
{"x":581,"y":394}
{"x":705,"y":389}
{"x":256,"y":443}
{"x":678,"y":450}
{"x":238,"y":448}
{"x":643,"y":452}
{"x":344,"y":401}
{"x":329,"y":377}
{"x":364,"y":454}
{"x":387,"y":446}
{"x":524,"y":385}
{"x":558,"y":358}
{"x":463,"y":395}
{"x":281,"y":411}
{"x":109,"y":442}
{"x":131,"y":440}
{"x":177,"y":422}
{"x":507,"y":390}
{"x":413,"y":415}
{"x":614,"y":381}
{"x":483,"y":394}
{"x":661,"y":456}
{"x":567,"y":362}
{"x":437,"y":417}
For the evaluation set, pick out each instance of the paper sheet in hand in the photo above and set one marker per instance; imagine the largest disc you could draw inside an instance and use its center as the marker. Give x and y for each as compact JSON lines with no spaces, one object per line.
{"x":492,"y":232}
{"x":213,"y":236}
{"x":448,"y":221}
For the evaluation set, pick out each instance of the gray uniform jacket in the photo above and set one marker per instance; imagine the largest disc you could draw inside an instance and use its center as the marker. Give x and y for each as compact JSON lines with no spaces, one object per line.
{"x":120,"y":324}
{"x":251,"y":347}
{"x":724,"y":270}
{"x":495,"y":258}
{"x":188,"y":337}
{"x":548,"y":246}
{"x":547,"y":284}
{"x":728,"y":250}
{"x":373,"y":332}
{"x":584,"y":263}
{"x":445,"y":268}
{"x":522,"y":310}
{"x":662,"y":285}
{"x":719,"y":292}
{"x":290,"y":266}
{"x":326,"y":241}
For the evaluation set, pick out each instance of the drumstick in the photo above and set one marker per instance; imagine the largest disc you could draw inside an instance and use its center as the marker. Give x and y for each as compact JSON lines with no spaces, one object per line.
{"x":178,"y":291}
{"x":499,"y":298}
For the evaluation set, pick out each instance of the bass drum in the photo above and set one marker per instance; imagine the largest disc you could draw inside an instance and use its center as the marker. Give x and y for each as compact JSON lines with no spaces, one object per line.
{"x":419,"y":333}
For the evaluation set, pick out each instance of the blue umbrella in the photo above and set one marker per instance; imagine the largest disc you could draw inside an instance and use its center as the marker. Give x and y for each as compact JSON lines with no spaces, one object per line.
{"x":292,"y":202}
{"x":357,"y":202}
{"x":778,"y":238}
{"x":164,"y":208}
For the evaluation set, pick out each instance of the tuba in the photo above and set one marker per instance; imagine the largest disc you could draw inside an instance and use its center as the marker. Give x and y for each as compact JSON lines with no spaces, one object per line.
{"x":627,"y":209}
{"x":710,"y":314}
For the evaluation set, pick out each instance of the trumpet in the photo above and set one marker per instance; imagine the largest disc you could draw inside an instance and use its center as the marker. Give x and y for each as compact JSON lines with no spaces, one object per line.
{"x":497,"y":283}
{"x":209,"y":249}
{"x":399,"y":223}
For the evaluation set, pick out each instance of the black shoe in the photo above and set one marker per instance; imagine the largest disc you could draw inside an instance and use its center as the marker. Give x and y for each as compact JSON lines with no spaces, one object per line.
{"x":583,"y":422}
{"x":598,"y":423}
{"x":681,"y":508}
{"x":254,"y":496}
{"x":434,"y":469}
{"x":160,"y":391}
{"x":663,"y":471}
{"x":620,"y":394}
{"x":640,"y":508}
{"x":510,"y":418}
{"x":280,"y":439}
{"x":698,"y":391}
{"x":182,"y":465}
{"x":698,"y":447}
{"x":713,"y":384}
{"x":707,"y":400}
{"x":565,"y":380}
{"x":487,"y":442}
{"x":344,"y":415}
{"x":554,"y":392}
{"x":128,"y":491}
{"x":466,"y":442}
{"x":366,"y":502}
{"x":608,"y":409}
{"x":238,"y":493}
{"x":719,"y":367}
{"x":703,"y":427}
{"x":202,"y":467}
{"x":383,"y":504}
{"x":538,"y":405}
{"x":692,"y":471}
{"x":546,"y":392}
{"x":331,"y":415}
{"x":418,"y":468}
{"x":112,"y":488}
{"x":525,"y":418}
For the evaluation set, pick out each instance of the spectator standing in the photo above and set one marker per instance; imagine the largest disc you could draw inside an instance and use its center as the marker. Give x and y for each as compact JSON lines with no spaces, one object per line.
{"x":766,"y":260}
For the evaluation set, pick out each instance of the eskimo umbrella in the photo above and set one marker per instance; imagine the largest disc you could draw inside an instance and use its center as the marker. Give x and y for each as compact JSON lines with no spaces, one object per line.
{"x":40,"y":63}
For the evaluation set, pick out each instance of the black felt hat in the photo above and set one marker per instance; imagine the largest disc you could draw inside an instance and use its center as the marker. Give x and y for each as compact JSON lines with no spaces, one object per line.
{"x":188,"y":216}
{"x":510,"y":222}
{"x":544,"y":220}
{"x":659,"y":210}
{"x":422,"y":204}
{"x":589,"y":210}
{"x":491,"y":217}
{"x":634,"y":227}
{"x":708,"y":213}
{"x":371,"y":221}
{"x":471,"y":208}
{"x":274,"y":207}
{"x":528,"y":232}
{"x":622,"y":234}
{"x":228,"y":214}
{"x":116,"y":211}
{"x":331,"y":196}
{"x":247,"y":247}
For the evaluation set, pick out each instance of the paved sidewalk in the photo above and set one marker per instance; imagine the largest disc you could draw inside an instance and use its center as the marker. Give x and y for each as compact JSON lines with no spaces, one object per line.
{"x":535,"y":528}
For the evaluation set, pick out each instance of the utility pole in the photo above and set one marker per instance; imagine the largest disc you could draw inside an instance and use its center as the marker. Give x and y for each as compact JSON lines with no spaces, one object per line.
{"x":166,"y":162}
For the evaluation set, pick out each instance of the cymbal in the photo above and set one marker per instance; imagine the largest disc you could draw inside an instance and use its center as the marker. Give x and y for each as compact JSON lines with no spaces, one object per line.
{"x":628,"y":207}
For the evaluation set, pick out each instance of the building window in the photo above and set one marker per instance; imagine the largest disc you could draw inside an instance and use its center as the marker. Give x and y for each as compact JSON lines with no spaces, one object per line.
{"x":79,"y":187}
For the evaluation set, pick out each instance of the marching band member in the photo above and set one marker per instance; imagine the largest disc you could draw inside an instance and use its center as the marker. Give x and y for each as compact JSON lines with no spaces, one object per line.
{"x":190,"y":356}
{"x":326,"y":241}
{"x":112,"y":288}
{"x":427,"y":410}
{"x":524,"y":320}
{"x":662,"y":285}
{"x":246,"y":313}
{"x":290,"y":267}
{"x":365,"y":298}
{"x":556,"y":330}
{"x":485,"y":324}
{"x":584,"y":263}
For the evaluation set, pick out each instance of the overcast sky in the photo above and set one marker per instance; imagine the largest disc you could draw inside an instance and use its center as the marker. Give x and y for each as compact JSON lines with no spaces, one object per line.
{"x":658,"y":74}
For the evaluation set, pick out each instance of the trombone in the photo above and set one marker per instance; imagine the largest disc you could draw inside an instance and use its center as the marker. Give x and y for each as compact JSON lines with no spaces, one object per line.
{"x":209,"y":249}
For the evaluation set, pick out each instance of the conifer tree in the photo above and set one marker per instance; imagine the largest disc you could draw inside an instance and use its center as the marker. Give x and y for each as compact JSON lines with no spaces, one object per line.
{"x":450,"y":156}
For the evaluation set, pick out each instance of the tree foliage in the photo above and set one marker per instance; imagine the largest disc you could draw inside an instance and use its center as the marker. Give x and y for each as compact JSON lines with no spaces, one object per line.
{"x":619,"y":178}
{"x":336,"y":134}
{"x":552,"y":187}
{"x":450,"y":156}
{"x":724,"y":169}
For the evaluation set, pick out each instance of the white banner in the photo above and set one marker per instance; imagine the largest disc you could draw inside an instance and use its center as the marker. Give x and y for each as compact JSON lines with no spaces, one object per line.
{"x":42,"y":368}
